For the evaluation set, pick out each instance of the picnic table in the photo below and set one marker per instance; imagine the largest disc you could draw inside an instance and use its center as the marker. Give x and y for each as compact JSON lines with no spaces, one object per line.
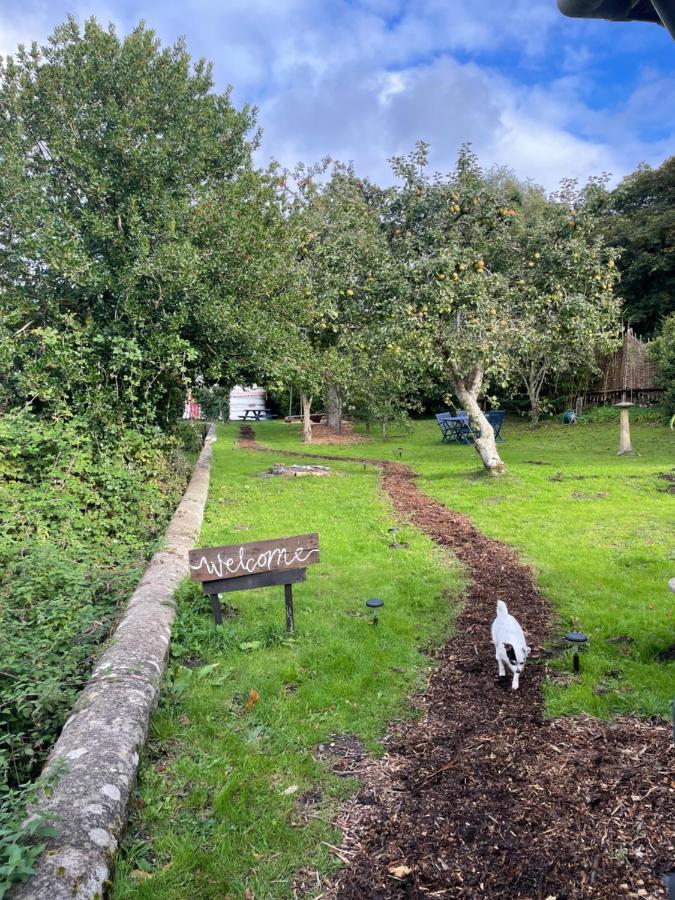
{"x":458,"y":427}
{"x":257,"y":414}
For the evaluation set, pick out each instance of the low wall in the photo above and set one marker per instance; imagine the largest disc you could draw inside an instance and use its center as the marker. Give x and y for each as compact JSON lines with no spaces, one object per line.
{"x":99,"y":745}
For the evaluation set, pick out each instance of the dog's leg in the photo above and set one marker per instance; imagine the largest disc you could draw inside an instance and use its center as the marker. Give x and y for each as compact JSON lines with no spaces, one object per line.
{"x":514,"y":683}
{"x":500,"y":663}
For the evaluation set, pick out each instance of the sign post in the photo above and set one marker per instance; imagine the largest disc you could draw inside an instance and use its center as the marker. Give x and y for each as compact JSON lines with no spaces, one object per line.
{"x":239,"y":567}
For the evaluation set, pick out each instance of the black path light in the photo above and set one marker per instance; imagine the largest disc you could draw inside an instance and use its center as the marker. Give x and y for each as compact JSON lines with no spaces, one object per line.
{"x":374,"y":603}
{"x":395,"y":544}
{"x":400,"y":452}
{"x":577,"y":639}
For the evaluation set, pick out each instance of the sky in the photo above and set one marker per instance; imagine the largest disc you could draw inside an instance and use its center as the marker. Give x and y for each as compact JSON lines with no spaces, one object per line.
{"x":362,"y":80}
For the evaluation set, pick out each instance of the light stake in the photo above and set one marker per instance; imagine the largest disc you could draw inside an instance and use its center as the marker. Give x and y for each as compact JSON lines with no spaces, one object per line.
{"x":374,"y":603}
{"x":577,"y":639}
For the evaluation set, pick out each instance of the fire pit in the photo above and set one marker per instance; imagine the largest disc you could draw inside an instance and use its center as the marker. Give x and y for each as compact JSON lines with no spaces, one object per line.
{"x":298,"y":471}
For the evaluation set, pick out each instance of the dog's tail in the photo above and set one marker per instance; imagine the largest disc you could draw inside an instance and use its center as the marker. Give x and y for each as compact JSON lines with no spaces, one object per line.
{"x":502,"y":609}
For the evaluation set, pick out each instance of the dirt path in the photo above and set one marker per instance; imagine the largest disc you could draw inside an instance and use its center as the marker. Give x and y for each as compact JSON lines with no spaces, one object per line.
{"x":483,"y":797}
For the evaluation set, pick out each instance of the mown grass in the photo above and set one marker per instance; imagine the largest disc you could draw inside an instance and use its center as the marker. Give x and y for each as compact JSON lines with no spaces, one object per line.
{"x":597,"y":529}
{"x":223,"y":803}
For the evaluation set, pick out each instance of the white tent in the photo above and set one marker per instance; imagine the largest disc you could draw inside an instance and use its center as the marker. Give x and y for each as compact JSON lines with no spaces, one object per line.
{"x":243,"y":398}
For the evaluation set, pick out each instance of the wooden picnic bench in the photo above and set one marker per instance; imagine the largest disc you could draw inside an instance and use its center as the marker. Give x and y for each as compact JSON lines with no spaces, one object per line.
{"x":257,"y":414}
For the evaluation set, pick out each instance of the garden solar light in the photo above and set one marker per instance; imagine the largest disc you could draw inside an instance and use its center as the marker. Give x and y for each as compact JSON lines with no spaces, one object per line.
{"x":374,"y":603}
{"x":395,"y":544}
{"x":576,"y":639}
{"x":400,"y":452}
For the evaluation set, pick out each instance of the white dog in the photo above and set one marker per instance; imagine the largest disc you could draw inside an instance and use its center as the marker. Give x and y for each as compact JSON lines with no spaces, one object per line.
{"x":510,"y":645}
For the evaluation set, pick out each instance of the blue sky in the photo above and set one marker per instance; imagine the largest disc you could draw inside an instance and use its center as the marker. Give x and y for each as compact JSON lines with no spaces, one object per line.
{"x":361,"y":80}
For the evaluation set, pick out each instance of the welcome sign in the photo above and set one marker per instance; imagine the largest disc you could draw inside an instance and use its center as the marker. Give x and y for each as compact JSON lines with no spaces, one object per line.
{"x":236,"y":560}
{"x":239,"y":567}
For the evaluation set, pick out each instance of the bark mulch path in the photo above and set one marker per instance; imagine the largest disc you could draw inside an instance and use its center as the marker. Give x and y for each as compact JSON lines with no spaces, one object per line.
{"x":483,"y":797}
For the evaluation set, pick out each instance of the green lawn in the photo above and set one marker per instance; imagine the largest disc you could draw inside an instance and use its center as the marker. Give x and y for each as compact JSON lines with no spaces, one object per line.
{"x":221,"y":800}
{"x":213,"y":817}
{"x":598,"y":530}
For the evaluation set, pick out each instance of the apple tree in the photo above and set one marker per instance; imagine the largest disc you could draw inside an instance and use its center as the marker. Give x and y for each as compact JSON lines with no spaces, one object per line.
{"x":449,"y":236}
{"x":562,"y":280}
{"x":346,"y":277}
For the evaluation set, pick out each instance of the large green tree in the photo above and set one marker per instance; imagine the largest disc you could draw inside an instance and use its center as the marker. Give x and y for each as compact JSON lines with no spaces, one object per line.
{"x":348,"y":281}
{"x":116,"y":286}
{"x":566,"y":311}
{"x":486,"y":273}
{"x":639,"y":216}
{"x":448,"y":235}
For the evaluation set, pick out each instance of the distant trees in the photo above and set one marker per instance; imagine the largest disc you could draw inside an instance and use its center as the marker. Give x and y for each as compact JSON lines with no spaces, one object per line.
{"x":141,"y":254}
{"x":639,"y":217}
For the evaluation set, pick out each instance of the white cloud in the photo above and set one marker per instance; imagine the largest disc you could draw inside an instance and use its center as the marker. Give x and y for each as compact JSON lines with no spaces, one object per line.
{"x":361,"y":80}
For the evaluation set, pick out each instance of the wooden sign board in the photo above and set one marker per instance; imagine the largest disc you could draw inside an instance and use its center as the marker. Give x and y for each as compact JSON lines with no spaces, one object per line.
{"x":237,"y":560}
{"x":238,"y":567}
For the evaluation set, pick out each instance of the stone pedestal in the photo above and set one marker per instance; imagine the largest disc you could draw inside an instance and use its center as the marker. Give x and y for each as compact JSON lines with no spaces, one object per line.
{"x":625,"y":448}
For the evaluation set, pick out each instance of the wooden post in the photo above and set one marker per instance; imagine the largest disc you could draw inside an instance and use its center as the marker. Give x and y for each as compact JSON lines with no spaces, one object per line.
{"x":215,"y":606}
{"x":290,"y":618}
{"x":625,"y":448}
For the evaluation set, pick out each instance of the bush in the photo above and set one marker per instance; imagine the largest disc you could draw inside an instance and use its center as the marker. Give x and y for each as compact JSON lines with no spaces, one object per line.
{"x":79,"y":519}
{"x":663,"y":354}
{"x":645,"y":415}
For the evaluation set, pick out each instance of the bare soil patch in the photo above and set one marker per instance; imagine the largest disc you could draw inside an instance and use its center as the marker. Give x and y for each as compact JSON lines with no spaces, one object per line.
{"x":483,"y":797}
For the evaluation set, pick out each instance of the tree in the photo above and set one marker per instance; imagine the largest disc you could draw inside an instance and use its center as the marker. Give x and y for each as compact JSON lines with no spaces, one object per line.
{"x":445,"y":234}
{"x":639,"y":216}
{"x":489,"y":262}
{"x":347,"y":279}
{"x":114,"y":154}
{"x":663,"y":353}
{"x":565,"y":307}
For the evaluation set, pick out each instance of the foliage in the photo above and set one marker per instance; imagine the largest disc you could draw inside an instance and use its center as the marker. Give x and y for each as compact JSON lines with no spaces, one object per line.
{"x":214,"y":402}
{"x":117,"y":165}
{"x":663,"y":353}
{"x":566,"y":311}
{"x":20,"y":836}
{"x":347,"y":281}
{"x":639,"y":216}
{"x":79,"y":518}
{"x":609,"y":415}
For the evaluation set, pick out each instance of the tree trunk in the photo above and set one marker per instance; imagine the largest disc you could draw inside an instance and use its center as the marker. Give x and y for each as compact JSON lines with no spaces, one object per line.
{"x":306,"y":404}
{"x":334,"y":409}
{"x":534,"y":385}
{"x":467,"y":390}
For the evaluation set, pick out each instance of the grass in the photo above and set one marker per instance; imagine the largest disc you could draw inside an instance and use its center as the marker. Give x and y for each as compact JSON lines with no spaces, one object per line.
{"x":596,"y":528}
{"x":219,"y":808}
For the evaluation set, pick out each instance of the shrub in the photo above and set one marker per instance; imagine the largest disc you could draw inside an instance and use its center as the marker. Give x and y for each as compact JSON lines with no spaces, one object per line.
{"x":79,"y":519}
{"x":663,"y":354}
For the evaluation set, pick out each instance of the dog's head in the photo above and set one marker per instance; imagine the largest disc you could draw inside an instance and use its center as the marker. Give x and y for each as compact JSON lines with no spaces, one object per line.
{"x":517,"y":656}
